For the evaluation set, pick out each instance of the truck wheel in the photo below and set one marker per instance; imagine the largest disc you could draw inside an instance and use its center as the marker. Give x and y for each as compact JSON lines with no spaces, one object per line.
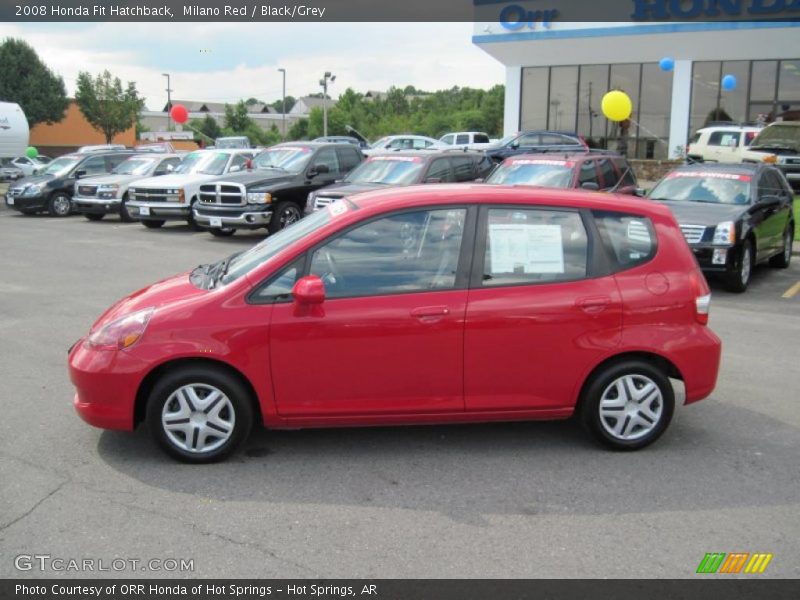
{"x":59,"y":205}
{"x":124,"y":215}
{"x":94,"y":216}
{"x":152,"y":224}
{"x":285,"y":213}
{"x":222,"y":231}
{"x":193,"y":225}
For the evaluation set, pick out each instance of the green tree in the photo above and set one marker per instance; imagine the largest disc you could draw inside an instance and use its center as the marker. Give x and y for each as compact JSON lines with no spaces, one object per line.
{"x":298,"y":131}
{"x":278,"y":104}
{"x":237,"y":119}
{"x":105,"y":104}
{"x":206,"y":130}
{"x":26,"y":80}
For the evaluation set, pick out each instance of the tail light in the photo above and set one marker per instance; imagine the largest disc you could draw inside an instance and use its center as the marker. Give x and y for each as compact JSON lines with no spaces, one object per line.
{"x":702,"y":297}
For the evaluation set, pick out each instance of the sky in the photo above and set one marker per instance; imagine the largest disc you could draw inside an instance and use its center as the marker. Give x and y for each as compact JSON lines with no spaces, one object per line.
{"x":225,"y":62}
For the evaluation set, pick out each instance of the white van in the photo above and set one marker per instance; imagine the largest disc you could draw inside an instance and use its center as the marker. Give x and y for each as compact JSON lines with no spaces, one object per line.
{"x":14,"y":133}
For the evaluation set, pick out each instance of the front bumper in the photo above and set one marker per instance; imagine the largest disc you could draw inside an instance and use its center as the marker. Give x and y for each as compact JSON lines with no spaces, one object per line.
{"x":85,"y":204}
{"x":715,"y":259}
{"x":243,"y":217}
{"x":106,"y":383}
{"x":158,"y":211}
{"x":20,"y":203}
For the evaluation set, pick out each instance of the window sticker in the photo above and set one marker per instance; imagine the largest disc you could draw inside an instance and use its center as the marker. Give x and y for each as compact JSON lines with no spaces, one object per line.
{"x":523,"y":248}
{"x":709,"y":175}
{"x":542,"y":161}
{"x":395,"y":158}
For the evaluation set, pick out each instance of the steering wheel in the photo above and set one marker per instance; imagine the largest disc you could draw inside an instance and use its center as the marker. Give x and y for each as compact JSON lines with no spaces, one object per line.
{"x":333,"y":268}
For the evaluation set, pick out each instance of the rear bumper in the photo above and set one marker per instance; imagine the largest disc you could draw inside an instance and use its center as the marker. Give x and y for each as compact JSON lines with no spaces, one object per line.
{"x":699,"y":364}
{"x":237,"y":218}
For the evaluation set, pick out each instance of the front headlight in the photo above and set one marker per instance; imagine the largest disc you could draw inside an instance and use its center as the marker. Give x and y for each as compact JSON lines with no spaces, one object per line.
{"x":259,"y":198}
{"x":32,"y":190}
{"x":121,"y":333}
{"x":725,"y":233}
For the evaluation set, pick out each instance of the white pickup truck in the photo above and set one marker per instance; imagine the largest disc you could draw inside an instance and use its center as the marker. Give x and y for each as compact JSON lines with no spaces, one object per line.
{"x":472,"y":140}
{"x":156,"y":200}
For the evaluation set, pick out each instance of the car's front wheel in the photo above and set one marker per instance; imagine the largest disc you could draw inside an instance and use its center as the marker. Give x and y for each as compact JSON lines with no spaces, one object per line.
{"x":59,"y":205}
{"x":124,"y":215}
{"x":738,"y":279}
{"x":199,"y":414}
{"x":285,"y":214}
{"x":628,"y":405}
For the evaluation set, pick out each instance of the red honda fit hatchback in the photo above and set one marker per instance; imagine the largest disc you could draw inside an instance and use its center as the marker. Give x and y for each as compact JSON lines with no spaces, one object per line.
{"x":430,"y":304}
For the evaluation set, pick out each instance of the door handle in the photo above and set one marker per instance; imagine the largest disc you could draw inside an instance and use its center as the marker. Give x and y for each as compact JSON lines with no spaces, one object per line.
{"x":594,"y":304}
{"x":430,"y":311}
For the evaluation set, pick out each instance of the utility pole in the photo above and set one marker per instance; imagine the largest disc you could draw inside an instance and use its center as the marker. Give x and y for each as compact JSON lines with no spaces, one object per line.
{"x":169,"y":103}
{"x":283,"y":112}
{"x":324,"y":83}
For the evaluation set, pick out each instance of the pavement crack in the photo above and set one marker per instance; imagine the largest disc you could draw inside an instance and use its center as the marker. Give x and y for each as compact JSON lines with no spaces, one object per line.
{"x":28,"y":512}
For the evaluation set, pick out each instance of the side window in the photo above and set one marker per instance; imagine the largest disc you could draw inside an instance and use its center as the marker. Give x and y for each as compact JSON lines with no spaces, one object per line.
{"x":407,"y":252}
{"x":163,"y":167}
{"x":549,"y":139}
{"x":238,"y":160}
{"x":481,"y":138}
{"x":629,"y":239}
{"x":529,"y":140}
{"x":418,"y":144}
{"x":439,"y":169}
{"x":448,"y":139}
{"x":399,"y":143}
{"x":724,"y":138}
{"x":115,"y":161}
{"x":94,"y":165}
{"x":610,"y":176}
{"x":279,"y":287}
{"x":534,"y":246}
{"x":625,"y":170}
{"x":462,"y":139}
{"x":327,"y":157}
{"x":588,"y":173}
{"x":348,"y":159}
{"x":463,"y":168}
{"x":769,"y":185}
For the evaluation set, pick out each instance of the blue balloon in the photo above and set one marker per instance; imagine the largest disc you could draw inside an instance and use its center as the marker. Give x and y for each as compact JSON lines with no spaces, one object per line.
{"x":729,"y":83}
{"x":667,"y":63}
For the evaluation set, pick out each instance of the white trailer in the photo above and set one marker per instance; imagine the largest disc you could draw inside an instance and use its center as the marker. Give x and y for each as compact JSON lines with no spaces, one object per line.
{"x":14,"y":132}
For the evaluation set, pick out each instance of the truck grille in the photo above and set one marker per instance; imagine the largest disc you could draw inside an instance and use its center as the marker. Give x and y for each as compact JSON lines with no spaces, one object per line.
{"x":228,"y":194}
{"x":148,"y":195}
{"x":321,"y":201}
{"x":88,"y":191}
{"x":15,"y":191}
{"x":693,"y":233}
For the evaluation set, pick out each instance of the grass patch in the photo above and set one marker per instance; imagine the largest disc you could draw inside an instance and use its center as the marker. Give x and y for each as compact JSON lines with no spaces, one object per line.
{"x":796,"y":212}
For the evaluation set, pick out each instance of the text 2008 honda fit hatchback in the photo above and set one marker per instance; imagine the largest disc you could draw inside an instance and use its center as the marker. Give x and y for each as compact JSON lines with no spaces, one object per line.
{"x":433,"y":304}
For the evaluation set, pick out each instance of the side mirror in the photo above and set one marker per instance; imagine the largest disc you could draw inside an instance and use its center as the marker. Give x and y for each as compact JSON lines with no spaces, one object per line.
{"x":80,"y":173}
{"x":319,"y":169}
{"x":640,"y":191}
{"x":433,"y":180}
{"x":514,"y":145}
{"x":770,"y":200}
{"x":170,"y":168}
{"x":235,"y":169}
{"x":309,"y":290}
{"x":590,"y":185}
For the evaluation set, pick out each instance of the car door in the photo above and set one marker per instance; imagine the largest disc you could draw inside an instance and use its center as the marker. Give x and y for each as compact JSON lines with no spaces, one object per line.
{"x":770,"y":213}
{"x":388,"y":338}
{"x":536,"y":315}
{"x":439,"y":171}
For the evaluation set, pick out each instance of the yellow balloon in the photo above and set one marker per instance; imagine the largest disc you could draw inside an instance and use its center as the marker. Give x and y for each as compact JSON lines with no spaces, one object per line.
{"x":617,"y":105}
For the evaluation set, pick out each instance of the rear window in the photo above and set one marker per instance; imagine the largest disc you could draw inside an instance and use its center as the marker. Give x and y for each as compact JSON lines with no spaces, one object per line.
{"x":629,"y":239}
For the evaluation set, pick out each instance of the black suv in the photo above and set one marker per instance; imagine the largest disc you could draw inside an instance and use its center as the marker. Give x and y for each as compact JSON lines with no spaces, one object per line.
{"x":529,"y":142}
{"x":405,"y":168}
{"x":595,"y":170}
{"x":52,"y":189}
{"x":273,"y":193}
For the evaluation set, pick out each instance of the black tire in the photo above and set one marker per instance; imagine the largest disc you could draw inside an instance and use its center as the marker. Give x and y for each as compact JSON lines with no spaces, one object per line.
{"x":124,"y":215}
{"x":193,"y":225}
{"x":737,"y":280}
{"x":229,"y":407}
{"x":150,"y":224}
{"x":782,"y":260}
{"x":59,"y":205}
{"x":644,"y":418}
{"x":28,"y":211}
{"x":285,"y":213}
{"x":94,"y":216}
{"x":222,"y":231}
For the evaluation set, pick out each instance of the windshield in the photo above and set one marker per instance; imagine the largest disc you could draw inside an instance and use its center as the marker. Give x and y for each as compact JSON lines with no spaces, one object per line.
{"x":134,"y":166}
{"x":231,"y":143}
{"x":715,"y":188}
{"x":61,"y":165}
{"x":389,"y":170}
{"x":381,"y":142}
{"x":208,"y":163}
{"x":258,"y":254}
{"x":508,"y":139}
{"x":778,"y":135}
{"x":546,"y":173}
{"x":286,"y":158}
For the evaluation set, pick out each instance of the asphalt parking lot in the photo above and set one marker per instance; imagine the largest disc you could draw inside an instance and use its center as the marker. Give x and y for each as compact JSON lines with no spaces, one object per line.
{"x":499,"y":501}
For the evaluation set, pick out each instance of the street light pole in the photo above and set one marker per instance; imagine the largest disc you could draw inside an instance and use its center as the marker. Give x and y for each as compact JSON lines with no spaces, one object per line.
{"x":169,"y":103}
{"x":283,"y":113}
{"x":324,"y":83}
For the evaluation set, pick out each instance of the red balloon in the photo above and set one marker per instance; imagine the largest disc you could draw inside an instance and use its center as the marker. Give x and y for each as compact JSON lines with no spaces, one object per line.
{"x":179,"y":113}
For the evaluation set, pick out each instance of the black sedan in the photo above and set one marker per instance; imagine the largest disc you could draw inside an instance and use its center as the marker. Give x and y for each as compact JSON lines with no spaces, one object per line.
{"x":733,"y":216}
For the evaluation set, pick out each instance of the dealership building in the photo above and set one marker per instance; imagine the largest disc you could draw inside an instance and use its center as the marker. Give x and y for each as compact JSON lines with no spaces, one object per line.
{"x":557,"y":74}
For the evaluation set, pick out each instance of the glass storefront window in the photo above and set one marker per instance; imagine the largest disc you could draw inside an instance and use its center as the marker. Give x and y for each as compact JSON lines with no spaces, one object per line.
{"x":654,"y":112}
{"x":762,"y":85}
{"x":563,"y":100}
{"x":705,"y":94}
{"x":622,"y":136}
{"x":591,"y":121}
{"x":789,"y":81}
{"x":535,"y":90}
{"x":734,"y":102}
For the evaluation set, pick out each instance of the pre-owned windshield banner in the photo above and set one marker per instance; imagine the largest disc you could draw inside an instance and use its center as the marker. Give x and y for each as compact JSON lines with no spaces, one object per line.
{"x":509,"y":15}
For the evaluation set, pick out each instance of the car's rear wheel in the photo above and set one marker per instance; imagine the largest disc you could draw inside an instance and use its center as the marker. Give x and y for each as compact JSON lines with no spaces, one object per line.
{"x":285,"y":214}
{"x":782,"y":260}
{"x":628,"y":405}
{"x":152,"y":224}
{"x":199,"y":414}
{"x":738,"y":279}
{"x":222,"y":231}
{"x":59,"y":205}
{"x":94,"y":216}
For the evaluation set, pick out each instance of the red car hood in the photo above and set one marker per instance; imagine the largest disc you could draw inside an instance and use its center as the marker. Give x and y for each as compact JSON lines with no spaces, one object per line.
{"x":172,"y":290}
